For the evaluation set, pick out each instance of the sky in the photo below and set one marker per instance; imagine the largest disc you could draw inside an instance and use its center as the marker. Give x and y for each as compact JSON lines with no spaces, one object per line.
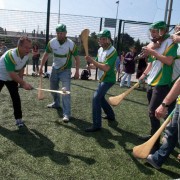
{"x":136,"y":10}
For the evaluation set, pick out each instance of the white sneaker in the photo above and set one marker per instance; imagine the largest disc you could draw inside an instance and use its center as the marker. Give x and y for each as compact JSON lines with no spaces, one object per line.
{"x":66,"y":118}
{"x":19,"y":122}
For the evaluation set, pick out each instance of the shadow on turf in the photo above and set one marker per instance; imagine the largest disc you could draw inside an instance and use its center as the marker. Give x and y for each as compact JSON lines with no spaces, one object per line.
{"x":38,"y":145}
{"x":104,"y":137}
{"x":128,"y":137}
{"x":129,"y":100}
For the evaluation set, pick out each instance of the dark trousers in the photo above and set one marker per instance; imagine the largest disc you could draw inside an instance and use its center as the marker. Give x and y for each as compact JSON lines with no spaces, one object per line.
{"x":12,"y":87}
{"x":35,"y":65}
{"x":155,"y":97}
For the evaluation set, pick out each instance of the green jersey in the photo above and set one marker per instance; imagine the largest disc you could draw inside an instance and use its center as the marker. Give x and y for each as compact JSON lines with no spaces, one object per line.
{"x":107,"y":56}
{"x":62,"y":53}
{"x":161,"y":74}
{"x":11,"y":62}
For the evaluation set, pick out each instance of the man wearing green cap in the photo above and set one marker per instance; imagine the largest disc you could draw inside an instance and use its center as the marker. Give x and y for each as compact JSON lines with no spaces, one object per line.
{"x":105,"y":62}
{"x":158,"y":72}
{"x":62,"y":49}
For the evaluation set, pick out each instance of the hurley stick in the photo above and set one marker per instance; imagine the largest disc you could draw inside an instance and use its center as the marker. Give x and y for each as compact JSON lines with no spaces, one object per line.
{"x":143,"y":150}
{"x":84,"y":38}
{"x":26,"y":69}
{"x":115,"y":100}
{"x":40,"y":92}
{"x":53,"y":91}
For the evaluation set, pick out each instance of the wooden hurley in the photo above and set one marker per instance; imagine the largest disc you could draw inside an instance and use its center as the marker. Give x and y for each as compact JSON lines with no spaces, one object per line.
{"x":53,"y":91}
{"x":142,"y":151}
{"x":27,"y":70}
{"x":115,"y":100}
{"x":40,"y":92}
{"x":84,"y":38}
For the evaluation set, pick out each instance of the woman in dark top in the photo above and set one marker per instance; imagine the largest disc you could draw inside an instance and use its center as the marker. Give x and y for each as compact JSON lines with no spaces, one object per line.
{"x":129,"y":66}
{"x":35,"y":59}
{"x":142,"y":64}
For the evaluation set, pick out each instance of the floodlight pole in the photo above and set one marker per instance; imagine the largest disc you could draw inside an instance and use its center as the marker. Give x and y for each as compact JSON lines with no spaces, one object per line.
{"x":166,"y":11}
{"x":170,"y":11}
{"x":59,"y":12}
{"x":117,"y":2}
{"x":47,"y":28}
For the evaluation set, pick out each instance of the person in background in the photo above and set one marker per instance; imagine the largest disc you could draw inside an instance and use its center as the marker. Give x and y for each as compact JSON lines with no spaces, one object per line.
{"x":129,"y":67}
{"x":158,"y":72}
{"x":62,"y":49}
{"x":3,"y":48}
{"x":142,"y":64}
{"x":12,"y":64}
{"x":172,"y":131}
{"x":105,"y":62}
{"x":35,"y":59}
{"x":118,"y":62}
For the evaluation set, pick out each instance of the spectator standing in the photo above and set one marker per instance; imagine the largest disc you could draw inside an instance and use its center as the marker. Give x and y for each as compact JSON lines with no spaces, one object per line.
{"x":129,"y":67}
{"x":35,"y":59}
{"x":3,"y":48}
{"x":141,"y":66}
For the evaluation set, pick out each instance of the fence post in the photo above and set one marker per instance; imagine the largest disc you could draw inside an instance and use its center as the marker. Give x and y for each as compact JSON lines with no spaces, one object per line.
{"x":47,"y":29}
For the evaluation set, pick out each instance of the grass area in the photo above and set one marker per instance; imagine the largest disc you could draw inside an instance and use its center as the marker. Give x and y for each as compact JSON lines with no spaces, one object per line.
{"x":50,"y":149}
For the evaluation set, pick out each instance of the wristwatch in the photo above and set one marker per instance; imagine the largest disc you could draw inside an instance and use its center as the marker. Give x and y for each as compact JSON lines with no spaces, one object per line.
{"x":164,"y":105}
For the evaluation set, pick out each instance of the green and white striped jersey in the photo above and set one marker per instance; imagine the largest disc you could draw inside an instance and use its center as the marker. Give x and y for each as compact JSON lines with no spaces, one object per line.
{"x":62,"y":53}
{"x":11,"y":62}
{"x":160,"y":73}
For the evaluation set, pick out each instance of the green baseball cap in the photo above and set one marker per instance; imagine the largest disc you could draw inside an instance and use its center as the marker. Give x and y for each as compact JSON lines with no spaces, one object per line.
{"x":158,"y":25}
{"x":61,"y":28}
{"x":105,"y":33}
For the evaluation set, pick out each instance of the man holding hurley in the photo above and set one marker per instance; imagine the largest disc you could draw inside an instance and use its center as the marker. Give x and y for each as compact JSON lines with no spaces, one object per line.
{"x":62,"y":49}
{"x":159,"y":72}
{"x":105,"y":62}
{"x":172,"y":132}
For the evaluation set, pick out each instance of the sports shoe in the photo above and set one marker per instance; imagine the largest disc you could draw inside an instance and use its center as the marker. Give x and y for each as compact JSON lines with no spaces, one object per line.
{"x":66,"y":119}
{"x":52,"y":105}
{"x":151,"y":161}
{"x":19,"y":122}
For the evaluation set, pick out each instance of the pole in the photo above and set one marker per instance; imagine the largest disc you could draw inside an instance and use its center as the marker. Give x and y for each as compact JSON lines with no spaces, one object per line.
{"x":117,"y":2}
{"x":47,"y":28}
{"x":166,"y":11}
{"x":170,"y":11}
{"x":59,"y":12}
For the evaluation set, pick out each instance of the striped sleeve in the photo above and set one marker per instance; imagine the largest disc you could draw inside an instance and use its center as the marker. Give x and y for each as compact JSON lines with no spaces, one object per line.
{"x":111,"y":58}
{"x":48,"y":48}
{"x":75,"y":50}
{"x":9,"y":62}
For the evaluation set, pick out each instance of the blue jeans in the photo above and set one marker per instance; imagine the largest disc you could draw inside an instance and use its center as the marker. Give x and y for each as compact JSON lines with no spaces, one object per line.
{"x":65,"y":77}
{"x":99,"y":102}
{"x":126,"y":75}
{"x":171,"y":139}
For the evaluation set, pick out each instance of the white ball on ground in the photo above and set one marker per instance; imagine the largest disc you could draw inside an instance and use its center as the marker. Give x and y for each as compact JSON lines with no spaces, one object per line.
{"x":63,"y":89}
